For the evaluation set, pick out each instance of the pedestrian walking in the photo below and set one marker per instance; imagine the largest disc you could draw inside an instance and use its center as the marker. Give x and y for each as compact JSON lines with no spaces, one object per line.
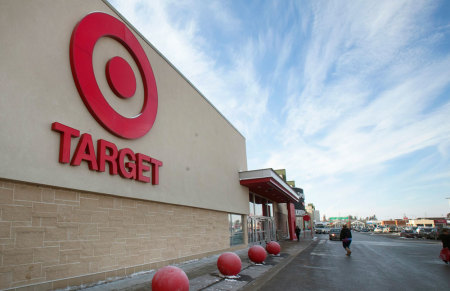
{"x":445,"y":252}
{"x":297,"y":232}
{"x":346,"y":238}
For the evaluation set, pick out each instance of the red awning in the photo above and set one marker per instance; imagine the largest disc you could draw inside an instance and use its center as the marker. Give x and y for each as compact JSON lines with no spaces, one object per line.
{"x":268,"y":184}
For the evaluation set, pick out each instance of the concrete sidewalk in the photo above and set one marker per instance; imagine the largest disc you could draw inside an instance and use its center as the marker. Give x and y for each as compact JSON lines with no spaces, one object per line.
{"x":204,"y":275}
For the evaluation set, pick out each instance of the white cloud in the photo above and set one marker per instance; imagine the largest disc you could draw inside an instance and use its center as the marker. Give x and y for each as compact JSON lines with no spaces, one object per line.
{"x":367,"y":97}
{"x":232,"y":87}
{"x":359,"y":85}
{"x":333,"y":119}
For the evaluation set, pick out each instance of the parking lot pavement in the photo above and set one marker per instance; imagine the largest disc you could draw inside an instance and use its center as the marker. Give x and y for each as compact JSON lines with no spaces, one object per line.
{"x":204,"y":275}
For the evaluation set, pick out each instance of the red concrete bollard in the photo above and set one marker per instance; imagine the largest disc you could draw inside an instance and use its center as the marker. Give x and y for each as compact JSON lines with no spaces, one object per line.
{"x":273,"y":248}
{"x":257,"y":254}
{"x":229,"y":264}
{"x":170,"y":278}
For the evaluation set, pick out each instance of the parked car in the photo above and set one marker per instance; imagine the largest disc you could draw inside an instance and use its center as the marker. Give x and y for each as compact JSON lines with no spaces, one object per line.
{"x":433,"y":234}
{"x":364,"y":229}
{"x":321,"y":230}
{"x":422,"y":232}
{"x":335,"y":234}
{"x":378,"y":230}
{"x":408,"y":233}
{"x":390,"y":229}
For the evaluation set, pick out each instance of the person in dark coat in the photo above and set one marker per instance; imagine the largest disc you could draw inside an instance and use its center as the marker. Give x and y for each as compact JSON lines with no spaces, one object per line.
{"x":346,"y":238}
{"x":297,"y":232}
{"x":445,"y":238}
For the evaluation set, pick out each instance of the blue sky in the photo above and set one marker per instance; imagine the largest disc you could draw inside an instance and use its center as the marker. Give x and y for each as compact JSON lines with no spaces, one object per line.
{"x":352,"y":98}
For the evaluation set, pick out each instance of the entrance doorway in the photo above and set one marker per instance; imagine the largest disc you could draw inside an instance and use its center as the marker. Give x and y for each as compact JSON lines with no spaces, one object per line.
{"x":260,"y":229}
{"x":260,"y":223}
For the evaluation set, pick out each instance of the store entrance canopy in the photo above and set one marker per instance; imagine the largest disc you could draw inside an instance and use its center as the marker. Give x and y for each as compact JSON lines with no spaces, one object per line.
{"x":268,"y":184}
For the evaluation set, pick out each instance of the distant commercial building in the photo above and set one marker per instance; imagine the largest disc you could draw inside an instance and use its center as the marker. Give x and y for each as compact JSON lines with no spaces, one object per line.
{"x":401,"y":222}
{"x":395,"y":222}
{"x":300,"y":210}
{"x":310,"y":209}
{"x":428,"y":222}
{"x":339,"y":221}
{"x":316,"y":216}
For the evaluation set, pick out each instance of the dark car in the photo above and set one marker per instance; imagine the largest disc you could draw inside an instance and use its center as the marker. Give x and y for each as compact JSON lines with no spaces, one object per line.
{"x":422,"y":232}
{"x":433,"y":234}
{"x":335,"y":234}
{"x":322,"y":230}
{"x":408,"y":233}
{"x":319,"y":230}
{"x":364,"y":229}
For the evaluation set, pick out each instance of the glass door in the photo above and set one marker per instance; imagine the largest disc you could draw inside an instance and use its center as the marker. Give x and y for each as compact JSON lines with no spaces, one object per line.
{"x":260,"y":229}
{"x":260,"y":222}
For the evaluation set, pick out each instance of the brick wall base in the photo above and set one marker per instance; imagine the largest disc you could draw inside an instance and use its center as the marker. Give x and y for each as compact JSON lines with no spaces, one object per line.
{"x":53,"y":238}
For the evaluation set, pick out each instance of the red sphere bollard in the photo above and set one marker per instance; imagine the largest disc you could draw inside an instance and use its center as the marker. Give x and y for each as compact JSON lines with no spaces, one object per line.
{"x":273,"y":248}
{"x":170,"y":278}
{"x":257,"y":254}
{"x":229,"y":264}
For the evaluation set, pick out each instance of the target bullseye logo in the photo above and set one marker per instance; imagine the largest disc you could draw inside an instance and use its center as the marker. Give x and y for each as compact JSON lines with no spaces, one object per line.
{"x":121,"y":77}
{"x":119,"y":74}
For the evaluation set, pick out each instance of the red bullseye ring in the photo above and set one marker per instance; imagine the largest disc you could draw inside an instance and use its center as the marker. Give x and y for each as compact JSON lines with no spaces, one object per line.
{"x":90,"y":29}
{"x":121,"y":77}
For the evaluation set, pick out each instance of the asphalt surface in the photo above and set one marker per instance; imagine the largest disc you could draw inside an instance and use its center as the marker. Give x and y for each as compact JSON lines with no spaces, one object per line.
{"x":378,"y":262}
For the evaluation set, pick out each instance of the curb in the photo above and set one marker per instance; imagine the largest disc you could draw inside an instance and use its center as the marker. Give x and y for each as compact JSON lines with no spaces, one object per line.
{"x":260,"y":281}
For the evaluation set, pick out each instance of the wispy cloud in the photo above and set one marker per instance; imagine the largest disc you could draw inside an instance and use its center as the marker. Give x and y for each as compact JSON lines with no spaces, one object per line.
{"x":345,"y":111}
{"x":174,"y":29}
{"x":338,"y":93}
{"x":367,"y":95}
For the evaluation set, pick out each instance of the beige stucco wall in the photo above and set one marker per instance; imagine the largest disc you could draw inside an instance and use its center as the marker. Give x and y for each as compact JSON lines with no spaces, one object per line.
{"x":69,"y":238}
{"x":201,"y":151}
{"x":415,"y":222}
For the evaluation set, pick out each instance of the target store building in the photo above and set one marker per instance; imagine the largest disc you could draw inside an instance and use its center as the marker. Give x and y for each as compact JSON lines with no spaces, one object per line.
{"x":112,"y":162}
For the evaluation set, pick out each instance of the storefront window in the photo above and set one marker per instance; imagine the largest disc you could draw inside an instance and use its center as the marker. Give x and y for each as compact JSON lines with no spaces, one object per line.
{"x":236,"y":229}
